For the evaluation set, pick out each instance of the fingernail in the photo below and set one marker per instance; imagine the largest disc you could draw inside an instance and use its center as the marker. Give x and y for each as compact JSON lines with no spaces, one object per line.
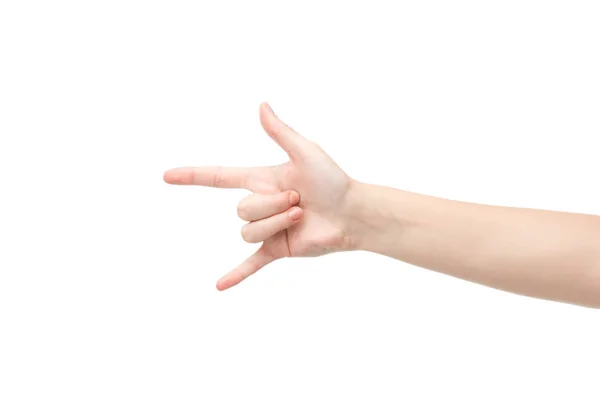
{"x":294,"y":197}
{"x":295,"y":213}
{"x":222,"y":284}
{"x":269,"y":108}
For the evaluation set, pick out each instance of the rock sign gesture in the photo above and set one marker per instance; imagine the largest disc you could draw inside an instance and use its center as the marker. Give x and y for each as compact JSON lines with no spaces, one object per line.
{"x":309,"y":207}
{"x":296,"y":209}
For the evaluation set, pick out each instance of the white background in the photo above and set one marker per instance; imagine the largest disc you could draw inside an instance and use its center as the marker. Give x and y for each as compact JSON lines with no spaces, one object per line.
{"x":107,"y":275}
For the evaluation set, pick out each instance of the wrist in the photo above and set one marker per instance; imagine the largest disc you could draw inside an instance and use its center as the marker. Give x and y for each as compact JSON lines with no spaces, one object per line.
{"x":373,"y":216}
{"x":350,"y":216}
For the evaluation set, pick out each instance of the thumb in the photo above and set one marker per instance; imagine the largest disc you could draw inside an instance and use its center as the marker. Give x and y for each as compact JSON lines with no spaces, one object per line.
{"x":288,"y":139}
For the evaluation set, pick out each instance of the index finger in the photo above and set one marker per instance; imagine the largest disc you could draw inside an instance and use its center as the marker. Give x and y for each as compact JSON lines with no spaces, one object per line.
{"x":218,"y":177}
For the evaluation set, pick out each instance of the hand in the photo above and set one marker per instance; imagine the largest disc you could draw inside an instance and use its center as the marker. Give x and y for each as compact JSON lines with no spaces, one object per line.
{"x":297,"y":209}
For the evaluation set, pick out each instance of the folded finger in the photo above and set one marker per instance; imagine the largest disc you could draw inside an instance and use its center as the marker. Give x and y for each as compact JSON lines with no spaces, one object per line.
{"x":259,"y":206}
{"x":263,"y":229}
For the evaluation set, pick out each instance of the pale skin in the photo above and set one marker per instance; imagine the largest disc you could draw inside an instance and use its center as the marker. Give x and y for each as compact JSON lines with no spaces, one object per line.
{"x":310,"y":207}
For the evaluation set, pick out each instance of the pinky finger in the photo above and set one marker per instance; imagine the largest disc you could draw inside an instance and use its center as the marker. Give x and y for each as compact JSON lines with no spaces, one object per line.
{"x":255,"y":262}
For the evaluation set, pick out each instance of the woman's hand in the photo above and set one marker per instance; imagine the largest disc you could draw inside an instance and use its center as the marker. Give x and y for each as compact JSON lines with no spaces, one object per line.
{"x":297,"y":209}
{"x":309,"y":206}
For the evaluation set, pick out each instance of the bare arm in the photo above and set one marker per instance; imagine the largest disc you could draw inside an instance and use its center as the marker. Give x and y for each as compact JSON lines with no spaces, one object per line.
{"x":310,"y":207}
{"x":545,"y":254}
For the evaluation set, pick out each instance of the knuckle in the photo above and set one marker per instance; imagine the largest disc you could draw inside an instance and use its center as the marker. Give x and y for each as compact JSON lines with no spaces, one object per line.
{"x":246,"y":235}
{"x":242,"y":210}
{"x":217,"y":180}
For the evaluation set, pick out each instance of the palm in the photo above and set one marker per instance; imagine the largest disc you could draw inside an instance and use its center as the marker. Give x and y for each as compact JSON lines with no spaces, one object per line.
{"x":321,"y":184}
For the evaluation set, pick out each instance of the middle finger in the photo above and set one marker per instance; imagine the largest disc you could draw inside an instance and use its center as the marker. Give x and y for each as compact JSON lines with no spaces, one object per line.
{"x":259,"y":206}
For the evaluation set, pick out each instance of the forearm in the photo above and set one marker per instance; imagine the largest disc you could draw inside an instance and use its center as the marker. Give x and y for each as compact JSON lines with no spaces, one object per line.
{"x":538,"y":253}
